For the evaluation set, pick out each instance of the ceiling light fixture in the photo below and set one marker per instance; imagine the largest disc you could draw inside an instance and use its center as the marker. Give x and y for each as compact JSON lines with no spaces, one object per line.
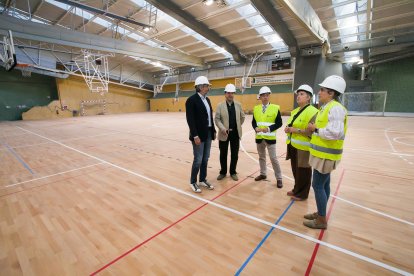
{"x":220,"y":3}
{"x":208,"y":2}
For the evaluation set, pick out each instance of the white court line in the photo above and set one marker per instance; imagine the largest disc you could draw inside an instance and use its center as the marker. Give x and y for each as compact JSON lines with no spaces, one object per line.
{"x":337,"y":248}
{"x":396,"y":140}
{"x":382,"y":152}
{"x":388,"y":139}
{"x":374,"y":211}
{"x":43,"y":177}
{"x":69,"y":139}
{"x":347,"y":201}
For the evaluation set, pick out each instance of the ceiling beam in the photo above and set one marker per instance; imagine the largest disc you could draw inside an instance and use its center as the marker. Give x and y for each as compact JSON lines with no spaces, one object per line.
{"x":306,"y":16}
{"x":272,"y":16}
{"x":188,"y":20}
{"x":52,"y":34}
{"x":373,"y":43}
{"x":102,"y":12}
{"x":106,"y":7}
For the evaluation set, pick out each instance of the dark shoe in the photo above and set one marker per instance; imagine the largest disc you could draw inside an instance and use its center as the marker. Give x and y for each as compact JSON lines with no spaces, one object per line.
{"x":296,"y":198}
{"x":311,"y":216}
{"x":314,"y":224}
{"x":195,"y":188}
{"x":260,"y":177}
{"x":279,"y":184}
{"x":290,"y":193}
{"x":221,"y":176}
{"x":235,"y":177}
{"x":206,"y":184}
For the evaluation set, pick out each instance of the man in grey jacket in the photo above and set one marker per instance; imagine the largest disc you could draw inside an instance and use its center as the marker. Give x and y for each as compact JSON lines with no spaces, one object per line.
{"x":229,"y":118}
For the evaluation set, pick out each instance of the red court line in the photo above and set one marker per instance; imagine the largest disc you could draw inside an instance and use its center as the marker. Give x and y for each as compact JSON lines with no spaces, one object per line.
{"x":168,"y":227}
{"x":315,"y":250}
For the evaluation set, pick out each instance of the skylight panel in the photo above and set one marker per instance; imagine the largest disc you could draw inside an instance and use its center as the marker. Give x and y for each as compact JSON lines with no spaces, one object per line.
{"x":153,"y":63}
{"x":163,"y":16}
{"x":246,"y":10}
{"x":58,"y":4}
{"x":264,"y":29}
{"x":346,"y":9}
{"x":102,"y":22}
{"x":255,"y":20}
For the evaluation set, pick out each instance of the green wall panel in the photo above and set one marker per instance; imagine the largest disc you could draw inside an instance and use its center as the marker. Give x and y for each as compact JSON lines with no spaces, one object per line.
{"x":18,"y":94}
{"x":397,"y":78}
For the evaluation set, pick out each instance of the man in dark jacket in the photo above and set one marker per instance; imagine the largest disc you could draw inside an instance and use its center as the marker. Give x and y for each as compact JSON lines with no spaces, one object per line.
{"x":200,"y":122}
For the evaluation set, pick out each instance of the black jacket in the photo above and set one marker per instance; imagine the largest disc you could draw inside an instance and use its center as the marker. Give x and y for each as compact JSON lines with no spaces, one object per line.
{"x":197,"y":118}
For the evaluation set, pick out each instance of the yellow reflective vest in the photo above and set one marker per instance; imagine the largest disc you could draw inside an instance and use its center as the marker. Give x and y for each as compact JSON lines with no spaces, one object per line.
{"x":327,"y":149}
{"x":265,"y":120}
{"x":300,"y":141}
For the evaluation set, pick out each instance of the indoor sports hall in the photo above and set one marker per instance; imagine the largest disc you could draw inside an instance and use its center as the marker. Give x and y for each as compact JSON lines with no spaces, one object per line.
{"x":95,"y":155}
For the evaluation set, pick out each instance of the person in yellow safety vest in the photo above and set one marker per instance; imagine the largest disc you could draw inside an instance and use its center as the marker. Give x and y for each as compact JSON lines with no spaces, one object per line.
{"x":326,"y":146}
{"x":298,"y":142}
{"x":266,"y":120}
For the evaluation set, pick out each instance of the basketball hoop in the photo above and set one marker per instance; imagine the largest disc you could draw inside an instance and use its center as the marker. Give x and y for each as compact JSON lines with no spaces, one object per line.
{"x":25,"y":69}
{"x":94,"y":69}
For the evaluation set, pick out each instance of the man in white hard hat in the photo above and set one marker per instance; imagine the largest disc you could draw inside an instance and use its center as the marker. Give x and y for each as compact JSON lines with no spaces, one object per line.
{"x":326,"y":145}
{"x":266,"y":120}
{"x":298,"y":142}
{"x":229,"y":118}
{"x":199,"y":116}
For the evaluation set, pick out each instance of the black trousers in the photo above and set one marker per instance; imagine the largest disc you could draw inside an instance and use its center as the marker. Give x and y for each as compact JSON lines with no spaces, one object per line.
{"x":303,"y":176}
{"x":234,"y":141}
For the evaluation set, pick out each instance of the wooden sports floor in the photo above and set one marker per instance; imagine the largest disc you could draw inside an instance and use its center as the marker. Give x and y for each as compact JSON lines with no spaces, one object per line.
{"x":110,"y":195}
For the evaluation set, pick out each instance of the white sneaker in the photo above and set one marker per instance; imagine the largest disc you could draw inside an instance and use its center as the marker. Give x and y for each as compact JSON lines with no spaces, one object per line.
{"x":195,"y":188}
{"x":206,"y":184}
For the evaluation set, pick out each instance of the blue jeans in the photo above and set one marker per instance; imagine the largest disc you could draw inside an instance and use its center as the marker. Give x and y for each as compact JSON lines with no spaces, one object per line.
{"x":201,"y":154}
{"x":321,"y":186}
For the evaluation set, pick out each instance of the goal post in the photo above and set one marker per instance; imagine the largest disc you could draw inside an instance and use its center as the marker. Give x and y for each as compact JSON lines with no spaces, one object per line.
{"x":365,"y":103}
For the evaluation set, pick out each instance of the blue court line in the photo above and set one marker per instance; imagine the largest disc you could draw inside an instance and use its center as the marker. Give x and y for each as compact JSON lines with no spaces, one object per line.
{"x":263,"y":240}
{"x":18,"y":158}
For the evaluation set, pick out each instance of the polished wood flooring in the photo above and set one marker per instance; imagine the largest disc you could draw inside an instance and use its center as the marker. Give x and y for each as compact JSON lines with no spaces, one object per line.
{"x":109,"y":195}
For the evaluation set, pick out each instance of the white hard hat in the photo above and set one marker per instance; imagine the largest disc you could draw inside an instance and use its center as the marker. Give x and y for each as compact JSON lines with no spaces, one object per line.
{"x":201,"y":80}
{"x":264,"y":90}
{"x":230,"y":88}
{"x":334,"y":82}
{"x":306,"y":88}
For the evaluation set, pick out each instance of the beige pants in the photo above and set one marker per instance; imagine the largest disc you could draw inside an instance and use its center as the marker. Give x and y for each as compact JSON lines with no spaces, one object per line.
{"x":271,"y":148}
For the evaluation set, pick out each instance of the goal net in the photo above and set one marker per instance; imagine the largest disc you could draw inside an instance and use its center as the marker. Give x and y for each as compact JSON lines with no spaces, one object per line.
{"x":365,"y":103}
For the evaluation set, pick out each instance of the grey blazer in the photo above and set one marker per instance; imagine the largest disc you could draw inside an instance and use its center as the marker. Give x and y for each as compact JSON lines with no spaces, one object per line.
{"x":221,"y":119}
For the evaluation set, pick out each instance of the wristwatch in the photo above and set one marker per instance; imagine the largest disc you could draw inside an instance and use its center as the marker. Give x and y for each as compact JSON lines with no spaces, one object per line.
{"x":317,"y":130}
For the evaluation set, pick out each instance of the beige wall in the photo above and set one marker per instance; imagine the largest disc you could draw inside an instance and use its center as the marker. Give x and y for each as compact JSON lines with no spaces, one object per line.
{"x":119,"y":99}
{"x":189,"y":86}
{"x":248,"y":101}
{"x":73,"y":90}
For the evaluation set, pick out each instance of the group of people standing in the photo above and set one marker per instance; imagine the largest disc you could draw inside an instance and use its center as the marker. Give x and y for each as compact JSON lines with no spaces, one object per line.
{"x":314,"y":138}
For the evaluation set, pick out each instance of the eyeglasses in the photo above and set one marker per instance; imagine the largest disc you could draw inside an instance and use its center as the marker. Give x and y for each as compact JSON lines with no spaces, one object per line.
{"x":206,"y":85}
